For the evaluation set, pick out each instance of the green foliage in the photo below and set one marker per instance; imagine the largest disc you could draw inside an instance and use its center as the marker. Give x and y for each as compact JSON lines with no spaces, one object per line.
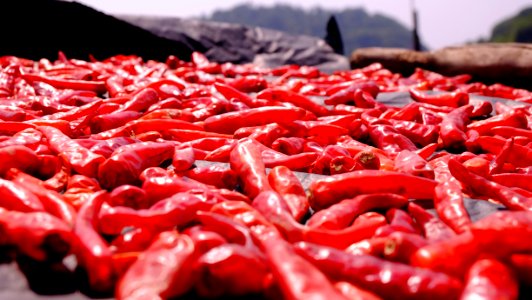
{"x":358,"y":28}
{"x":514,"y":29}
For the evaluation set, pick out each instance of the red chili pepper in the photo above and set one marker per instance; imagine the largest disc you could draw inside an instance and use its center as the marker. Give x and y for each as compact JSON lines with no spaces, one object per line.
{"x":285,"y":182}
{"x":246,"y":161}
{"x":296,"y":277}
{"x":127,"y":162}
{"x":214,"y":175}
{"x":520,"y":156}
{"x":523,"y":181}
{"x":19,"y":157}
{"x":52,"y":202}
{"x":433,"y":228}
{"x":129,"y":196}
{"x":346,"y":95}
{"x":342,"y":214}
{"x":373,"y":246}
{"x":483,"y":186}
{"x":455,"y":99}
{"x":411,"y":163}
{"x":113,"y":120}
{"x":327,"y":191}
{"x":400,"y":221}
{"x":231,"y":121}
{"x":522,"y":266}
{"x":508,"y":132}
{"x":421,"y":134}
{"x":514,"y":118}
{"x":92,"y":251}
{"x":204,"y":239}
{"x":96,"y":86}
{"x":265,"y":134}
{"x":280,"y":95}
{"x":400,"y":246}
{"x":505,"y":232}
{"x":82,"y":160}
{"x":453,"y":127}
{"x":186,"y":135}
{"x":490,"y":279}
{"x":183,"y":158}
{"x":134,"y":240}
{"x":38,"y":235}
{"x":164,"y":270}
{"x":385,"y":137}
{"x":231,"y":269}
{"x":442,"y":255}
{"x":351,"y":291}
{"x":387,"y":279}
{"x":106,"y":148}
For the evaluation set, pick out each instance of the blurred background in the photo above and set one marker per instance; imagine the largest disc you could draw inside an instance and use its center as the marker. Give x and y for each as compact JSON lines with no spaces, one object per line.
{"x":362,"y":23}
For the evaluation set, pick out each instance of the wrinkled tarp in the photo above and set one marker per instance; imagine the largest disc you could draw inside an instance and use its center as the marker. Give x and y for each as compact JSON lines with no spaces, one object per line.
{"x":226,"y":42}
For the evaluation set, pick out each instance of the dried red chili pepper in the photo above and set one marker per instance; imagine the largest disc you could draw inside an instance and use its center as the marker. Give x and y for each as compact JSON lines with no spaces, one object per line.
{"x":327,"y":191}
{"x":286,"y":183}
{"x":387,"y":279}
{"x":455,"y":99}
{"x":18,"y":157}
{"x":92,"y":251}
{"x":246,"y":161}
{"x":489,"y":278}
{"x":342,"y":214}
{"x":127,"y":162}
{"x":164,"y":270}
{"x":433,"y":228}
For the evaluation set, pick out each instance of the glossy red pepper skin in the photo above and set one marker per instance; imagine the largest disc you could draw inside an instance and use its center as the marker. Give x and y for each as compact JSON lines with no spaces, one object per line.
{"x":453,"y":127}
{"x":133,"y":240}
{"x":410,"y":162}
{"x":342,"y":214}
{"x":127,"y":162}
{"x":51,"y":201}
{"x":387,"y":279}
{"x":218,"y":176}
{"x":231,"y":269}
{"x":353,"y":292}
{"x":17,"y":156}
{"x":286,"y":183}
{"x":490,"y":279}
{"x":455,"y":99}
{"x":385,"y":137}
{"x":82,"y":160}
{"x":523,"y":181}
{"x":229,"y":122}
{"x":246,"y":161}
{"x":280,"y":95}
{"x":400,"y":246}
{"x":483,"y":186}
{"x":296,"y":276}
{"x":96,"y":86}
{"x":327,"y":191}
{"x":38,"y":235}
{"x":520,"y":156}
{"x":14,"y":196}
{"x":92,"y":251}
{"x":163,"y":270}
{"x":433,"y":228}
{"x":448,"y":197}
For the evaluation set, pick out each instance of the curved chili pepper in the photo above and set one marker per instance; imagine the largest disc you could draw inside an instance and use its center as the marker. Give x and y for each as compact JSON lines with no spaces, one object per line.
{"x":96,"y":86}
{"x":134,"y":240}
{"x":14,"y":196}
{"x":489,"y":278}
{"x":204,"y":239}
{"x":327,"y":191}
{"x":433,"y":228}
{"x":346,"y":95}
{"x":520,"y":156}
{"x":421,"y":134}
{"x":231,"y":269}
{"x":342,"y":214}
{"x":455,"y":99}
{"x":164,"y":270}
{"x":410,"y":162}
{"x":351,"y":291}
{"x":183,"y":158}
{"x":400,"y":246}
{"x":129,"y":196}
{"x":92,"y":251}
{"x":51,"y":201}
{"x":127,"y":162}
{"x":296,"y":276}
{"x":285,"y":182}
{"x":388,"y":139}
{"x":453,"y":127}
{"x":19,"y":157}
{"x":514,"y":118}
{"x":246,"y":161}
{"x":38,"y":235}
{"x":82,"y":160}
{"x":523,"y":181}
{"x":483,"y":186}
{"x":113,"y":120}
{"x":281,"y":95}
{"x":187,"y":135}
{"x":231,"y":121}
{"x":387,"y":279}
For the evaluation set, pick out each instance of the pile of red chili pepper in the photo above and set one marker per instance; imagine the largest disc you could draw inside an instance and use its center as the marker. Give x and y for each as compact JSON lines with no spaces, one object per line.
{"x":98,"y":160}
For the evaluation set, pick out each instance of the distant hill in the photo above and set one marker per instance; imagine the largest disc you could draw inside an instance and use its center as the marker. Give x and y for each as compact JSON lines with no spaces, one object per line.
{"x":358,"y":28}
{"x":514,"y":29}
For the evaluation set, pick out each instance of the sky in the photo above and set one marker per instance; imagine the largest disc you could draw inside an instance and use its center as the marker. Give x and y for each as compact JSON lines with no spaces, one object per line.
{"x":442,"y":23}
